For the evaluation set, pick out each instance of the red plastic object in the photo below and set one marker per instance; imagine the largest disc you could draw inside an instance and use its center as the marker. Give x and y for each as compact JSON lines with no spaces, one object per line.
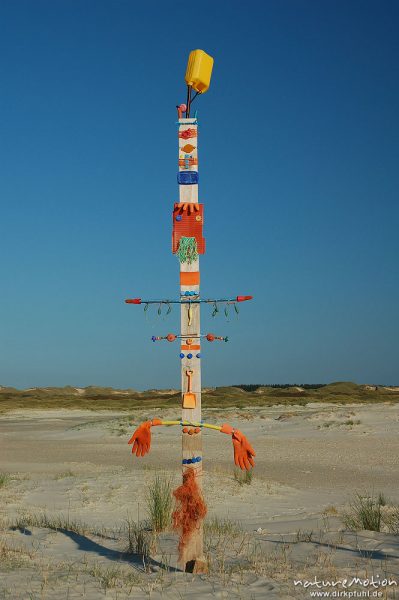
{"x":190,"y":225}
{"x":133,"y":301}
{"x":186,"y":134}
{"x":243,"y":298}
{"x":171,"y":337}
{"x":210,"y":337}
{"x":180,"y":110}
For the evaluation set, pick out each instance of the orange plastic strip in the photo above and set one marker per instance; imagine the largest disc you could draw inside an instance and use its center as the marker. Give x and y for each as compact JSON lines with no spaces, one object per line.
{"x":192,"y":347}
{"x":190,"y":161}
{"x":189,"y":278}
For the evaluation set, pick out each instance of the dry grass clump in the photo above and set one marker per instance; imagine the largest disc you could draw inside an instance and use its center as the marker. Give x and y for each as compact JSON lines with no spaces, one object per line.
{"x":64,"y":475}
{"x":113,"y":577}
{"x":373,"y":513}
{"x":218,"y":527}
{"x":243,"y":477}
{"x":234,"y":553}
{"x":330,"y":510}
{"x":12,"y":556}
{"x":4,"y":479}
{"x":139,"y":538}
{"x":365,"y":513}
{"x":352,"y":422}
{"x":55,"y":522}
{"x":391,"y":519}
{"x":159,"y":502}
{"x":304,"y":536}
{"x":224,"y":543}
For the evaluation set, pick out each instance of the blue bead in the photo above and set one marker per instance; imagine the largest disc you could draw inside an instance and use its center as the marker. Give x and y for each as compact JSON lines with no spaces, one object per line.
{"x":179,"y":218}
{"x":198,"y":355}
{"x":199,"y":459}
{"x":184,"y":462}
{"x":153,"y":338}
{"x":188,"y":461}
{"x":181,"y":355}
{"x":189,"y":355}
{"x":187,"y":293}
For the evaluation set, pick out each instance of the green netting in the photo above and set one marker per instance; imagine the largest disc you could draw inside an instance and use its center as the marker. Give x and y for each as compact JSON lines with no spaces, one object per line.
{"x":187,"y":251}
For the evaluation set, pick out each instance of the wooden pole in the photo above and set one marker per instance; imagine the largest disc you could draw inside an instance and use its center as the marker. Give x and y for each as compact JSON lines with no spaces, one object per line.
{"x":193,"y":554}
{"x":188,"y":244}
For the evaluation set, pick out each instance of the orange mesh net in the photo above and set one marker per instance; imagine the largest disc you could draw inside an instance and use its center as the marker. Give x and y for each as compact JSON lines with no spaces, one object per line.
{"x":190,"y":510}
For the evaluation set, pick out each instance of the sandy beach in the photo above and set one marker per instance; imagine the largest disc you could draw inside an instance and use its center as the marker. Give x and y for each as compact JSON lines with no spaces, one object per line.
{"x":76,"y":466}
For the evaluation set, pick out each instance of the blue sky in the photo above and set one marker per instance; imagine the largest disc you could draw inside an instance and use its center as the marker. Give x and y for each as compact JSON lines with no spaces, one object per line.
{"x":299,"y":176}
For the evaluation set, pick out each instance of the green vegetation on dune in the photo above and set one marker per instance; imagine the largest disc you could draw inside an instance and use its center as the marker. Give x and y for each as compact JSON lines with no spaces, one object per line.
{"x":255,"y":387}
{"x":97,"y":398}
{"x":342,"y":387}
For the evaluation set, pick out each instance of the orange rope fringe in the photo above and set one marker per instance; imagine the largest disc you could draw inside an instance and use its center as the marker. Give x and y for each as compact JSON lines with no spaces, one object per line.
{"x":191,"y":509}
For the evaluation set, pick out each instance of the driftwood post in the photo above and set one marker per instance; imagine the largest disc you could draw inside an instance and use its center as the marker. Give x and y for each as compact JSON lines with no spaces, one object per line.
{"x":190,"y":324}
{"x":188,"y":243}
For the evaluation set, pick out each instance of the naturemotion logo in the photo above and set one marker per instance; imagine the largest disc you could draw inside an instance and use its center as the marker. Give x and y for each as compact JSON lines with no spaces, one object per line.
{"x":341,"y":588}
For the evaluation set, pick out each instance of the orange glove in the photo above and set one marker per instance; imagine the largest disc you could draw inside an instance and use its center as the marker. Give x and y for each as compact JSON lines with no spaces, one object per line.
{"x":141,"y":438}
{"x":226,"y":428}
{"x":243,"y":451}
{"x":189,"y":206}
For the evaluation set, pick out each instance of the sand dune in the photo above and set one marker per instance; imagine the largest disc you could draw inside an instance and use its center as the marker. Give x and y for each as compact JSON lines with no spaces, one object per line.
{"x":75,"y":465}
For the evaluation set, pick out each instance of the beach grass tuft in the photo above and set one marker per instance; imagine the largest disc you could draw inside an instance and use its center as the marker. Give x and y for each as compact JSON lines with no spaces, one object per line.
{"x":4,"y":479}
{"x":159,"y":502}
{"x":364,"y":512}
{"x":243,"y":477}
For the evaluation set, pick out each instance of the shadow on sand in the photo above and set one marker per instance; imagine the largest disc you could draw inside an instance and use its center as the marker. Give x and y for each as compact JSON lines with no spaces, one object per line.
{"x":139,"y":561}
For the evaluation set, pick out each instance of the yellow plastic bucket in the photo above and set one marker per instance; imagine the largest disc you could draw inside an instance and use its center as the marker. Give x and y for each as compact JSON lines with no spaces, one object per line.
{"x":199,"y":70}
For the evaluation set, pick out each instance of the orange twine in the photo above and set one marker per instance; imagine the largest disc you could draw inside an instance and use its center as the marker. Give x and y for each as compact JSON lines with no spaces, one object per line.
{"x":191,"y":508}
